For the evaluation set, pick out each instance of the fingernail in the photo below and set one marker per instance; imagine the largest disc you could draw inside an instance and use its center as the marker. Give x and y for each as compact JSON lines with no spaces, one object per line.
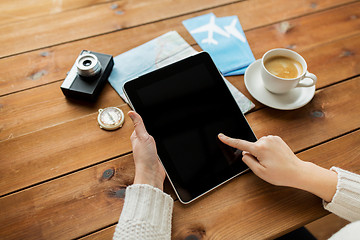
{"x":221,"y":135}
{"x":131,"y":115}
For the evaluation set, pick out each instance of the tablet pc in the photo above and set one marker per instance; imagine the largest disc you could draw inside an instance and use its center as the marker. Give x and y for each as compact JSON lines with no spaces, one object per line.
{"x":185,"y":106}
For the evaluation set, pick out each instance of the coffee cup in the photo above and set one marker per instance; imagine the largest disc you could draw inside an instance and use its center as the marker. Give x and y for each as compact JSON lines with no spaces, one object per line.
{"x":283,"y":69}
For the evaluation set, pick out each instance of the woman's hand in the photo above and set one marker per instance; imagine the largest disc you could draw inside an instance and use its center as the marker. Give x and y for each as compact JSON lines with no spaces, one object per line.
{"x":148,"y":169}
{"x":271,"y":159}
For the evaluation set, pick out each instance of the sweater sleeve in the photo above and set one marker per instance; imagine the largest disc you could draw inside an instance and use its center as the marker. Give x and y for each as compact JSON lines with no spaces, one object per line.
{"x":146,"y":214}
{"x":346,"y":201}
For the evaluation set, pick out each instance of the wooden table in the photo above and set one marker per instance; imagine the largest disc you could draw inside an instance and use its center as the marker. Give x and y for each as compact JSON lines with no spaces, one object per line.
{"x":62,"y":177}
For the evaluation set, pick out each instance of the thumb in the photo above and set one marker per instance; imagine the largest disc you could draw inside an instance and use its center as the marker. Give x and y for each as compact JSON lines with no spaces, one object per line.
{"x":139,"y":126}
{"x":237,"y":143}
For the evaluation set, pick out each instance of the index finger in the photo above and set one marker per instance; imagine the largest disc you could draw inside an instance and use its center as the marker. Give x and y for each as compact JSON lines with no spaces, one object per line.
{"x":238,"y":143}
{"x":139,"y":126}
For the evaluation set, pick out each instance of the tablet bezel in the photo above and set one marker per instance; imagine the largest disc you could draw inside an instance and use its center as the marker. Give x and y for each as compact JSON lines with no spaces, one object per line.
{"x":202,"y":57}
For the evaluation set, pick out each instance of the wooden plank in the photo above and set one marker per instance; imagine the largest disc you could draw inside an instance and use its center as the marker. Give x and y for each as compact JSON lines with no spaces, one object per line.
{"x":325,"y":227}
{"x":56,"y":209}
{"x":308,"y":31}
{"x":104,"y":234}
{"x":60,"y":149}
{"x":84,"y":201}
{"x":28,"y":107}
{"x":247,"y":199}
{"x":39,"y":32}
{"x":22,"y":10}
{"x":70,"y":146}
{"x":323,"y":118}
{"x":28,"y":111}
{"x":20,"y":72}
{"x":94,"y":20}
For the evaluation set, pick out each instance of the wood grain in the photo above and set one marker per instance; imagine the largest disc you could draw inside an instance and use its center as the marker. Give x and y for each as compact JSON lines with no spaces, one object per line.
{"x":29,"y":111}
{"x":60,"y":149}
{"x":94,"y":20}
{"x":51,"y":64}
{"x":51,"y":210}
{"x":323,"y":118}
{"x":308,"y":31}
{"x":324,"y":228}
{"x":70,"y":206}
{"x":21,"y":10}
{"x":38,"y":33}
{"x":103,"y":234}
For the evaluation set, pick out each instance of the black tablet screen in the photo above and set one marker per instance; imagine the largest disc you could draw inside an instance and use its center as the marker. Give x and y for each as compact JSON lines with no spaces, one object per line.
{"x":184,"y":107}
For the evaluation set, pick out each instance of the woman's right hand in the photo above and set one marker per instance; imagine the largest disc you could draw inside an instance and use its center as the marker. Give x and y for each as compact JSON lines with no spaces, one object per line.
{"x":271,"y":159}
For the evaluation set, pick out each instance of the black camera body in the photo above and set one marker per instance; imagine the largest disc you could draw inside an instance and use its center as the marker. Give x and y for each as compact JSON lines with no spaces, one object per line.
{"x":88,"y":75}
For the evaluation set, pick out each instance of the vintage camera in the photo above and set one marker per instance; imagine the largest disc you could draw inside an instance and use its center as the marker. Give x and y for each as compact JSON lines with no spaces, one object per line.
{"x":88,"y":75}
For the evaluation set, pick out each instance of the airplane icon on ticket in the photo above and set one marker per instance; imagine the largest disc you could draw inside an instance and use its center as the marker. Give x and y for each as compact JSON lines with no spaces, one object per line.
{"x":212,"y":28}
{"x":232,"y":30}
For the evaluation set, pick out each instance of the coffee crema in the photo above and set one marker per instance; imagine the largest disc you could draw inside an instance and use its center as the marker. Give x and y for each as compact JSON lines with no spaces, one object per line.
{"x":283,"y":67}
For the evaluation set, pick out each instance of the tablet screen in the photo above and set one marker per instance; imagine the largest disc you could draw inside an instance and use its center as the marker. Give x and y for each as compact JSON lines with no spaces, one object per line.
{"x":184,"y":107}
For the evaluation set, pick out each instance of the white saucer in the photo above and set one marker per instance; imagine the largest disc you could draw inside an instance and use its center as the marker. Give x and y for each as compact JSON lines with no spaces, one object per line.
{"x":294,"y":99}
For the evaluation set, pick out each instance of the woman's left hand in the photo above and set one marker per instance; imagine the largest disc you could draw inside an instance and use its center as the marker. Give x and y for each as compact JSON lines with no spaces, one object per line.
{"x":148,"y":169}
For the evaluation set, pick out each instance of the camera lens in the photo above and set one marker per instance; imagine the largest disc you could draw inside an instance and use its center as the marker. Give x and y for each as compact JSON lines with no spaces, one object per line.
{"x":88,"y":65}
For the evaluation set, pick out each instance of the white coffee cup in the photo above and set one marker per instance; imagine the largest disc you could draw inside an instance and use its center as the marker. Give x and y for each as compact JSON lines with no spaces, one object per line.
{"x":280,"y":85}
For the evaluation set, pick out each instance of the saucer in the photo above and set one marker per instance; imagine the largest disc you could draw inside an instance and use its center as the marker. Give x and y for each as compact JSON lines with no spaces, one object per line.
{"x":293,"y":99}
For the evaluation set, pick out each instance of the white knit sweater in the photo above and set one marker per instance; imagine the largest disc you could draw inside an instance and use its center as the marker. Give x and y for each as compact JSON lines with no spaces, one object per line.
{"x":146,"y":214}
{"x":147,"y":211}
{"x":346,"y":204}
